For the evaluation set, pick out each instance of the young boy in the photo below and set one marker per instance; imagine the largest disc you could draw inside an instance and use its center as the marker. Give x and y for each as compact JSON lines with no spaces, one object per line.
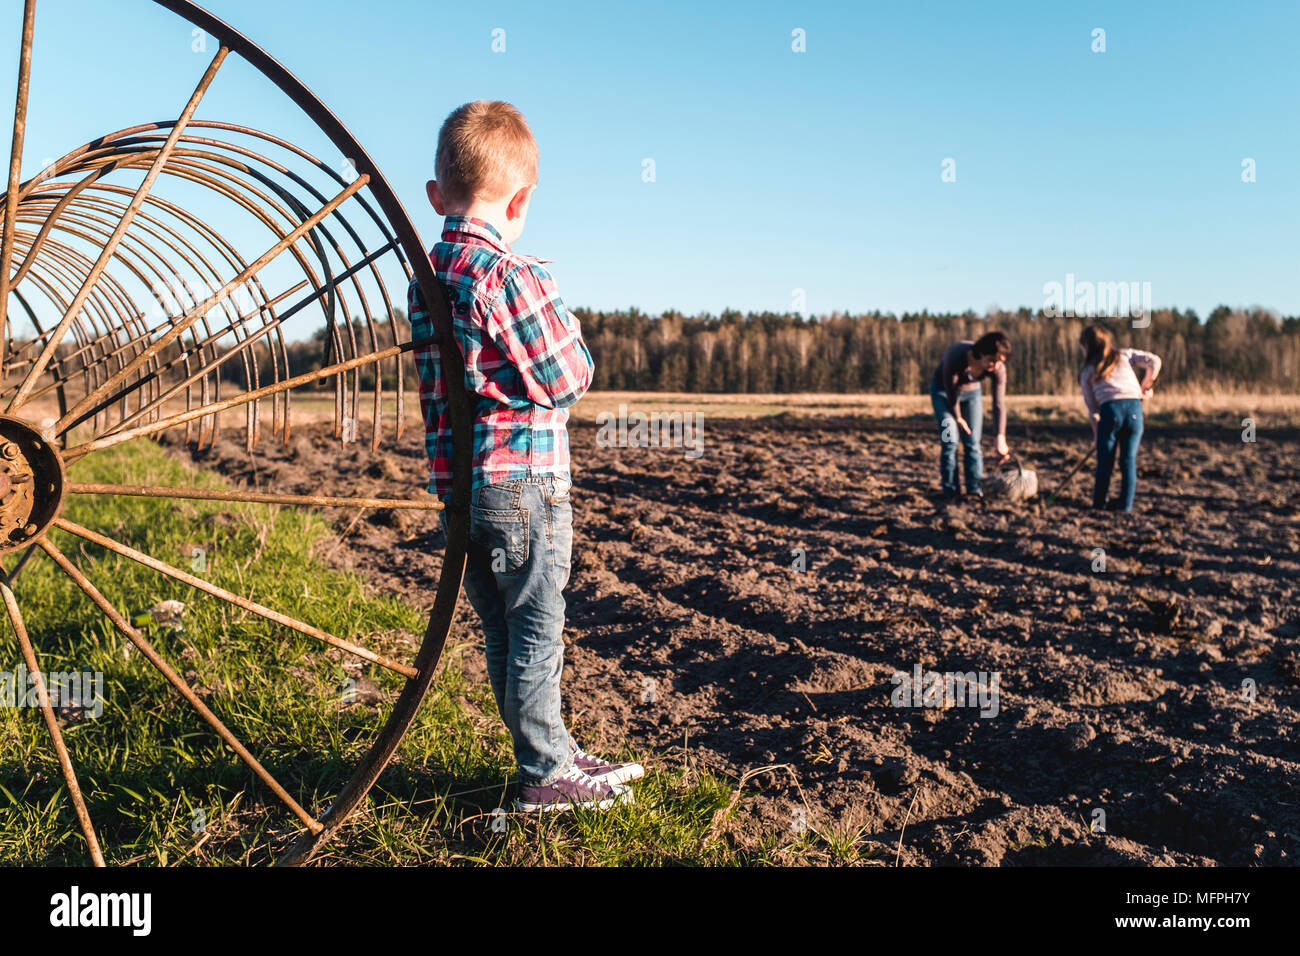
{"x":525,"y":364}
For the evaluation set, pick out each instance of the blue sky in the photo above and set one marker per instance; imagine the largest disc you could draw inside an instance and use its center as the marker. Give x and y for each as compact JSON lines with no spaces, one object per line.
{"x":777,"y":170}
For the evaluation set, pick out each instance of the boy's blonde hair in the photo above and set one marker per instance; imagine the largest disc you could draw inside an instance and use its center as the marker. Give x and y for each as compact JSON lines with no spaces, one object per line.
{"x":484,"y":149}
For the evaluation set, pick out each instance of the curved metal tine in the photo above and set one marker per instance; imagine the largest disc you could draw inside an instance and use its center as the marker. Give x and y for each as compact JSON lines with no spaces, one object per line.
{"x":266,"y":329}
{"x":89,"y":347}
{"x":151,"y":380}
{"x":176,"y":681}
{"x":52,"y":723}
{"x":156,"y":403}
{"x":222,"y":494}
{"x":130,"y":320}
{"x":193,"y":315}
{"x":49,"y":286}
{"x":162,"y":424}
{"x":230,"y":597}
{"x":116,"y":306}
{"x":388,"y":306}
{"x":15,"y":169}
{"x":52,"y":217}
{"x":351,"y":232}
{"x":110,"y":247}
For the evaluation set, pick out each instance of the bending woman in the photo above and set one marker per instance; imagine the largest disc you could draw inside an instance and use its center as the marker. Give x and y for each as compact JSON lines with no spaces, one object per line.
{"x":1114,"y":397}
{"x":959,"y":410}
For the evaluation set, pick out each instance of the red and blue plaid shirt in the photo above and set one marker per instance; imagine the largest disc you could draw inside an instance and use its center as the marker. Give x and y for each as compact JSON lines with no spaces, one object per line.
{"x":525,"y":361}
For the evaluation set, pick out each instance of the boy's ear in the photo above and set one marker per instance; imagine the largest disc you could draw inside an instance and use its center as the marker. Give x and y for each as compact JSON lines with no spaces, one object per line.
{"x":435,"y":197}
{"x":518,"y":204}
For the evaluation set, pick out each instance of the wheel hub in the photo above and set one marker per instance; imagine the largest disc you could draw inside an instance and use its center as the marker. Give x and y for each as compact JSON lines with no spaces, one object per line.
{"x":31,"y":484}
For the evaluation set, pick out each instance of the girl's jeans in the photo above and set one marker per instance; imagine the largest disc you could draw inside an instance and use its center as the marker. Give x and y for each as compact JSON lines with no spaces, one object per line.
{"x":972,"y":410}
{"x":521,"y":539}
{"x":1120,"y":429}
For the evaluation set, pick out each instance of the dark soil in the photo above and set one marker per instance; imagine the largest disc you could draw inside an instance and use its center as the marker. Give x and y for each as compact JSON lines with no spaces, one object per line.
{"x":1123,"y":690}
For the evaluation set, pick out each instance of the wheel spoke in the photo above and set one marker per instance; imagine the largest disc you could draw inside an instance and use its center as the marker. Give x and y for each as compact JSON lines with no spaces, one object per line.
{"x":222,"y":494}
{"x":110,"y":247}
{"x":138,"y":639}
{"x":161,"y":566}
{"x":15,"y":169}
{"x":52,"y":723}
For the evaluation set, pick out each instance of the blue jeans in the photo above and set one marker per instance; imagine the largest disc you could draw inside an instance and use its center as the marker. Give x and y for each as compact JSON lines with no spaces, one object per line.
{"x":521,"y":541}
{"x":972,"y":410}
{"x":1120,"y":429}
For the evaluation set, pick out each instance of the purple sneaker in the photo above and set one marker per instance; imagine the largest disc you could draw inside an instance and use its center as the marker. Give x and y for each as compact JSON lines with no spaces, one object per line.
{"x":614,"y":773}
{"x":573,"y":789}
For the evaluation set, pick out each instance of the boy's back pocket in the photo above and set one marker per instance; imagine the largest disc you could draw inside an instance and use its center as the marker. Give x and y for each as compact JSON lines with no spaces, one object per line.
{"x":500,"y":538}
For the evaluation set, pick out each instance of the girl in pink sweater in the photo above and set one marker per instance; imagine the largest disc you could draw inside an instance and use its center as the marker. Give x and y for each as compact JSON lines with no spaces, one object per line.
{"x":1114,"y":396}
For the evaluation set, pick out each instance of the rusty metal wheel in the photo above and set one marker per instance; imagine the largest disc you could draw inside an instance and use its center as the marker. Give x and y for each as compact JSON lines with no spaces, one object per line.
{"x":85,"y":235}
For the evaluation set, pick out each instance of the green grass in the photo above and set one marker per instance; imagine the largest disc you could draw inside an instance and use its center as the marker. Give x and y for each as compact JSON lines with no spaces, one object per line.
{"x":151,"y":770}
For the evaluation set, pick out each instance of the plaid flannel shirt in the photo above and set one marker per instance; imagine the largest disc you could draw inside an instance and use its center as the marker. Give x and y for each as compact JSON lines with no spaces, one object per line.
{"x":525,"y":360}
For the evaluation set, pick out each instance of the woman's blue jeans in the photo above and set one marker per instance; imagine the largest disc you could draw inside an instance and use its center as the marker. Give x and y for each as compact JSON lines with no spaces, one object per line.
{"x":1118,"y":431}
{"x":971,"y":404}
{"x":520,"y":547}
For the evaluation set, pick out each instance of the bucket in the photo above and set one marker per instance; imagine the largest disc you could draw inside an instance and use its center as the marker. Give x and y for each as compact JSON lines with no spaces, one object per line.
{"x":1018,"y":485}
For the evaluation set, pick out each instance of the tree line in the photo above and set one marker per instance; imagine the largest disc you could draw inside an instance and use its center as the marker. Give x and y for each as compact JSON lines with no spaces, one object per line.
{"x":884,"y":353}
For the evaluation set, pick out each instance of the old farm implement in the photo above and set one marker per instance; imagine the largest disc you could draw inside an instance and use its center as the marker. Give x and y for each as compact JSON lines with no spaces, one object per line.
{"x":105,"y":358}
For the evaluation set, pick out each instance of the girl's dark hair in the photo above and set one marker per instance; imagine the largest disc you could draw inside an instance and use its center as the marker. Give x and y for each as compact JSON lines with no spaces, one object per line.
{"x":992,"y":343}
{"x":1099,"y":351}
